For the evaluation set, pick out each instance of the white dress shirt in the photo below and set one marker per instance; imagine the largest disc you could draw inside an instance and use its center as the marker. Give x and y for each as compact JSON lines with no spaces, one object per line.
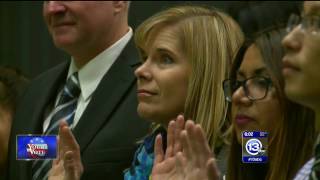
{"x":91,"y":74}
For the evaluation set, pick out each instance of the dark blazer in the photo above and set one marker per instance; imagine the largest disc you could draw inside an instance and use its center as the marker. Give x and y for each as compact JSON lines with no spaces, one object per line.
{"x":108,"y":129}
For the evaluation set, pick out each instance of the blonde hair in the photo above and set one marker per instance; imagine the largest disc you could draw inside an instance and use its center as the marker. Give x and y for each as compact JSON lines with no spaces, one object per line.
{"x":209,"y":39}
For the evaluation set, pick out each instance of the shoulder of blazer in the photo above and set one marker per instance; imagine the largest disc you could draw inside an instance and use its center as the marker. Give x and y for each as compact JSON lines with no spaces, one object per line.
{"x":130,"y":53}
{"x":52,"y":74}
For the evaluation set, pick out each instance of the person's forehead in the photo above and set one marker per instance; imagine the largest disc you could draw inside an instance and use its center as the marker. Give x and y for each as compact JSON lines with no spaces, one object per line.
{"x":312,"y":7}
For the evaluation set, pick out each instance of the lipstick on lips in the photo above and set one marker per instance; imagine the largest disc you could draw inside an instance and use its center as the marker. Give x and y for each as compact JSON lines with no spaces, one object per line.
{"x":242,"y":120}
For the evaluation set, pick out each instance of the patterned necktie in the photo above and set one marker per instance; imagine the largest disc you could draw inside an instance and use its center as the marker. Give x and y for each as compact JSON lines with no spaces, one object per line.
{"x":315,"y":171}
{"x":64,"y":110}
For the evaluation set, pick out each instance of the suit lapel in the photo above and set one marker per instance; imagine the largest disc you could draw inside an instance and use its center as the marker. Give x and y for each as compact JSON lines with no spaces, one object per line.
{"x":46,"y":94}
{"x":107,"y":96}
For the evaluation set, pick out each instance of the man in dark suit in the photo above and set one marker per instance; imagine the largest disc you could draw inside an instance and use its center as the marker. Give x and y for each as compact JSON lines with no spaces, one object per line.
{"x":105,"y":122}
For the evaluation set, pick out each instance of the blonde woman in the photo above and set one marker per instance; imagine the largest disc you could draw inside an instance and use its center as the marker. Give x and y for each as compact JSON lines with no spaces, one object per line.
{"x":186,"y":53}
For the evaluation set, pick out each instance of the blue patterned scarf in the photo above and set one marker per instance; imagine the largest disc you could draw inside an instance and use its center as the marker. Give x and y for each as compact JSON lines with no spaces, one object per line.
{"x":142,"y":163}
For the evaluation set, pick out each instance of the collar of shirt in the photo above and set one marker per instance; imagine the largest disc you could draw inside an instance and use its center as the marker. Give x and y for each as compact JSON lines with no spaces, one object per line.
{"x":91,"y":74}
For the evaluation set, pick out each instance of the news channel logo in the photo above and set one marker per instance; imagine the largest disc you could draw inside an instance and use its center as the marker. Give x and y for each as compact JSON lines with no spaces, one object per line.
{"x":34,"y":147}
{"x":254,"y":147}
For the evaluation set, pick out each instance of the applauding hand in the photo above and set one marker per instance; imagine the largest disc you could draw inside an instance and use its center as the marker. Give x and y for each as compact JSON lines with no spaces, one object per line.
{"x":165,"y":166}
{"x":188,"y":155}
{"x":68,"y":166}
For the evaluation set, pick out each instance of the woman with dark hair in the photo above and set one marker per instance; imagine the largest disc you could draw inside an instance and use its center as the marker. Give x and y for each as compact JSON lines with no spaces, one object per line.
{"x":259,"y":103}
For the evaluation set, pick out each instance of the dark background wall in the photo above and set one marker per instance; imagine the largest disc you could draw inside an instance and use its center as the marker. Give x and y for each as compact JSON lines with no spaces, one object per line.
{"x":24,"y":39}
{"x":26,"y":44}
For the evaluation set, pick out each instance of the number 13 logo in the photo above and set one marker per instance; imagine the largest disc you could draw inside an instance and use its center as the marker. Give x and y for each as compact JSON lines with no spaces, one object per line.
{"x":253,"y":146}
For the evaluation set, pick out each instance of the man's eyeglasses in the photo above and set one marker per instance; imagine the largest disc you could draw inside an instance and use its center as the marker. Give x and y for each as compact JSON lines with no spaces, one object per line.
{"x":255,"y":88}
{"x":306,"y":23}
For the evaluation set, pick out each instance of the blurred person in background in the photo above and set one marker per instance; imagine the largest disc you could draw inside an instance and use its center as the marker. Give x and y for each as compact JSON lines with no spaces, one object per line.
{"x":12,"y":86}
{"x":301,"y":69}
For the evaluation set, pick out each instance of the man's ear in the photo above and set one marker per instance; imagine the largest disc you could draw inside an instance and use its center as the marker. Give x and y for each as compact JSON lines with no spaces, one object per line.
{"x":120,"y":5}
